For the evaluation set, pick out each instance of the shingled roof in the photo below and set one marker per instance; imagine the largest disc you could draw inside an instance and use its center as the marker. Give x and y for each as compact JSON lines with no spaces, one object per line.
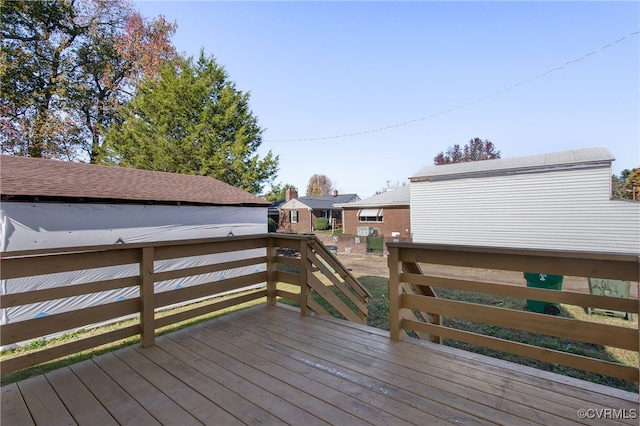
{"x":399,"y":196}
{"x":25,"y":179}
{"x":324,"y":202}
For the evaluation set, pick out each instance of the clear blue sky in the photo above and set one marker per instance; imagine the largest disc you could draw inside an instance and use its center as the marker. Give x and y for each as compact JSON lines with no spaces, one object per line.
{"x":432,"y":73}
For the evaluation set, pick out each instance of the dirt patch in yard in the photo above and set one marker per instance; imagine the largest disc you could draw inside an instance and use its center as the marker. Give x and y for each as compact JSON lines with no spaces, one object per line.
{"x":376,"y":265}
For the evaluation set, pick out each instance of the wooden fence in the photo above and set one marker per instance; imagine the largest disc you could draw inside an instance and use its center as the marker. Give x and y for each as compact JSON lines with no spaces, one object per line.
{"x":310,"y":268}
{"x":415,"y":305}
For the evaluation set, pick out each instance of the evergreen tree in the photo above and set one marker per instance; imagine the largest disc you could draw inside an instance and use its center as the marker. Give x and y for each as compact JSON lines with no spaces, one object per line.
{"x":192,"y":120}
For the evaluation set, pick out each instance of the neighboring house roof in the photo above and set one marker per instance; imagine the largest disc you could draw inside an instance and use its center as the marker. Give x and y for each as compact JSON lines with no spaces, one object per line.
{"x":588,"y":157}
{"x":326,"y":202}
{"x":274,"y":208}
{"x":25,"y":178}
{"x":399,"y":196}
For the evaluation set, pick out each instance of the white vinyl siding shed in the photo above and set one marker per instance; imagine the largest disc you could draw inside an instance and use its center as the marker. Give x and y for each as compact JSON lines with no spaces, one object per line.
{"x":557,"y":201}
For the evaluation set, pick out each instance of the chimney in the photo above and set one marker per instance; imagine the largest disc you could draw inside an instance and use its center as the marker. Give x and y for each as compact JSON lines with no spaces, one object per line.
{"x":335,"y":192}
{"x":290,"y":194}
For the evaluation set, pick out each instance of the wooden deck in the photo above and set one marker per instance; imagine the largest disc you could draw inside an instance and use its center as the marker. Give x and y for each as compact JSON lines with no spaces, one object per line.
{"x":269,"y":365}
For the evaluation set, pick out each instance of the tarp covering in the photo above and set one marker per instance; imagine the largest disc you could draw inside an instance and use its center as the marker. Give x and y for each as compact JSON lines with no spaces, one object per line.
{"x":26,"y":226}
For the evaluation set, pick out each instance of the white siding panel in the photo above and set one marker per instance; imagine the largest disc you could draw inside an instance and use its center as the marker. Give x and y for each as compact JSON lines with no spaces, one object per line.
{"x":564,"y":210}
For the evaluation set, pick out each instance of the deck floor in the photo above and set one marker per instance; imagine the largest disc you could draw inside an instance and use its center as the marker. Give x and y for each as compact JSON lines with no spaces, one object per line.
{"x":269,"y":365}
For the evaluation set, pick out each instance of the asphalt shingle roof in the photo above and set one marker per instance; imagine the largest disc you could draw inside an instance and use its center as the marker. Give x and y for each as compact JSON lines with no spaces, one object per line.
{"x":25,"y":177}
{"x":327,"y":201}
{"x":392,"y":197}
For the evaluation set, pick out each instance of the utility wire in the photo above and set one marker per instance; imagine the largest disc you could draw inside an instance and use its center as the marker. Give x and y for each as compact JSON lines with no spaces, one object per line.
{"x":522,"y":83}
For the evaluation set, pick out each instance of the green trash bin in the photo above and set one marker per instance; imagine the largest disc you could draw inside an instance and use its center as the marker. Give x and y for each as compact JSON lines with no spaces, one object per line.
{"x":552,"y":282}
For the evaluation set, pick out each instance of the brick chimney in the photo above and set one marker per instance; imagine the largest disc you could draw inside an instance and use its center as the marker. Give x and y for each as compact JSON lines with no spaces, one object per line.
{"x":335,"y":192}
{"x":290,"y":194}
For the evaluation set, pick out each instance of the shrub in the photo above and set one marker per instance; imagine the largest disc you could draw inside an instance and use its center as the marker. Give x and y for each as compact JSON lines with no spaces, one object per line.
{"x":322,"y":223}
{"x":272,"y":225}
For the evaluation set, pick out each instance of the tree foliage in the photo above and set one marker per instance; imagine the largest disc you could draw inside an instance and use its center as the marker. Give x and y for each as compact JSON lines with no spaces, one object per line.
{"x":475,"y":150}
{"x":627,"y":185}
{"x":192,"y":120}
{"x":278,"y":192}
{"x":319,"y":185}
{"x":67,"y":67}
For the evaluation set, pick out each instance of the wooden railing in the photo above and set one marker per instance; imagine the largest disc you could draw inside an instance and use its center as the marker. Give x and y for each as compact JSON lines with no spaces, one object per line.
{"x":415,"y":305}
{"x":251,"y":268}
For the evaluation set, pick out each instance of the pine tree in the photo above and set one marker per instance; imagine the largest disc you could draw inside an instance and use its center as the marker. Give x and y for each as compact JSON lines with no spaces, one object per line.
{"x":192,"y":120}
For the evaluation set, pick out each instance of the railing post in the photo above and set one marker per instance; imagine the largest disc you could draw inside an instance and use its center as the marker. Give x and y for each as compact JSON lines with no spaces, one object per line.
{"x":147,"y":302}
{"x":395,"y":290}
{"x":271,"y":271}
{"x":304,"y":271}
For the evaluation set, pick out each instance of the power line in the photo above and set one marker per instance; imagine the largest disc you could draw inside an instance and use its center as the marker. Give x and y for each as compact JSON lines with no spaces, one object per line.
{"x":460,"y":106}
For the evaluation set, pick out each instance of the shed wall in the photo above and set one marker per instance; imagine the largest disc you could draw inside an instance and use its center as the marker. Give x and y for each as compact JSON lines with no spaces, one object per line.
{"x":26,"y":226}
{"x":563,"y":210}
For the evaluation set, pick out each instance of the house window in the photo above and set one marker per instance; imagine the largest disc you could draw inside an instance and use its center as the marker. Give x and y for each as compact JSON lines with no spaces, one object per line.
{"x":294,"y":216}
{"x":325,"y":214}
{"x":370,"y":215}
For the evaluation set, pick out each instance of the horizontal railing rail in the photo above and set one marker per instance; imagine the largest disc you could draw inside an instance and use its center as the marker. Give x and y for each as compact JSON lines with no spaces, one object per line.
{"x":416,"y":307}
{"x":154,"y":277}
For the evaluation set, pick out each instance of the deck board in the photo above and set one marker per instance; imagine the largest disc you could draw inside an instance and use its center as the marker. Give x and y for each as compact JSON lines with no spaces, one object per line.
{"x":14,"y":409}
{"x":123,"y":408}
{"x":520,"y":390}
{"x":269,"y":365}
{"x":83,"y":406}
{"x":157,"y":404}
{"x":181,"y":392}
{"x":44,"y":403}
{"x":343,"y":394}
{"x":414,"y":386}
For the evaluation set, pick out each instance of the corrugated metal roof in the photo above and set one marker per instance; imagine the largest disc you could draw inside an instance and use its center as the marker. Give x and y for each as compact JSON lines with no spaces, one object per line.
{"x":392,"y":197}
{"x":60,"y":180}
{"x":555,"y":160}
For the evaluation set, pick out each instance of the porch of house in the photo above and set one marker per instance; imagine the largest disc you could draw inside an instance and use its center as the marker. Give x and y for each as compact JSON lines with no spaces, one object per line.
{"x":270,"y":365}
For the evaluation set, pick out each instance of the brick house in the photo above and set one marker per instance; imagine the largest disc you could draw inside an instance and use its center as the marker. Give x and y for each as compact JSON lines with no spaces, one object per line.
{"x":299,"y":214}
{"x":386,"y":214}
